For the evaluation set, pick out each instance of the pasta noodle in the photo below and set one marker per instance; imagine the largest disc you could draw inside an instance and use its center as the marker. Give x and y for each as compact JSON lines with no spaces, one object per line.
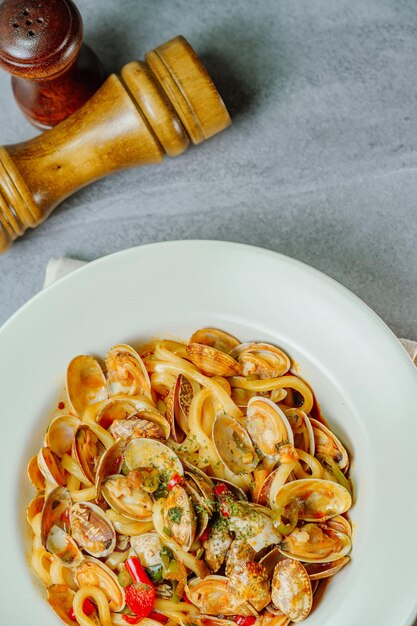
{"x":175,"y":480}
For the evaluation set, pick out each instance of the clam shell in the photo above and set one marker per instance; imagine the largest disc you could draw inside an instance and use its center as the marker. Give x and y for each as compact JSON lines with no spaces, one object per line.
{"x":270,"y":559}
{"x":211,"y":595}
{"x":63,"y":546}
{"x":60,"y":597}
{"x":240,"y":552}
{"x":302,"y":430}
{"x":261,"y":359}
{"x":35,"y":507}
{"x":254,"y":524}
{"x":126,"y":372}
{"x":268,"y":426}
{"x":110,"y":463}
{"x":60,"y":434}
{"x":291,"y":590}
{"x":316,"y":543}
{"x":216,"y":547}
{"x":92,"y":572}
{"x":145,"y":452}
{"x":87,"y":450}
{"x":249,"y":581}
{"x":148,"y":548}
{"x":35,"y":475}
{"x":212,"y":362}
{"x":54,"y":511}
{"x":91,"y":529}
{"x":327,"y":444}
{"x":318,"y":571}
{"x":50,"y":467}
{"x":215,"y":338}
{"x":233,"y":445}
{"x":179,"y":517}
{"x":86,"y":383}
{"x":115,"y":408}
{"x":178,"y":404}
{"x":317,"y":499}
{"x":136,"y":504}
{"x":148,"y":424}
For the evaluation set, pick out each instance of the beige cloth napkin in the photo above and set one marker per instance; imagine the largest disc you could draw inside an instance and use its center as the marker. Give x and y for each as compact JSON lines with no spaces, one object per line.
{"x":61,"y":266}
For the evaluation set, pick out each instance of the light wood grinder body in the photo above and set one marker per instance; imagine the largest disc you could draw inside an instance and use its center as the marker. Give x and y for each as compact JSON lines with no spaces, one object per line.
{"x":153,"y":108}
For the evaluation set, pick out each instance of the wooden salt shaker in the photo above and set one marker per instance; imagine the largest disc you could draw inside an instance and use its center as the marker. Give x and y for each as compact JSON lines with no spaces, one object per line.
{"x":54,"y":73}
{"x":153,"y":108}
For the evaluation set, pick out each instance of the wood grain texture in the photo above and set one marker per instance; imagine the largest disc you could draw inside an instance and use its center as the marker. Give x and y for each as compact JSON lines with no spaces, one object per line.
{"x":132,"y":120}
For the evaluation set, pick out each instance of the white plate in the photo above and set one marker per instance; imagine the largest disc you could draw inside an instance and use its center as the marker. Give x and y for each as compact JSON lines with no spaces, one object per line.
{"x":363,"y":379}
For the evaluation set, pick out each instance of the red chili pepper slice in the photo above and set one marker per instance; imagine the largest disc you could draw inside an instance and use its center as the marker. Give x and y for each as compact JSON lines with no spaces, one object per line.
{"x":241,"y":620}
{"x":185,"y":599}
{"x":131,"y":619}
{"x":158,"y":617}
{"x":220,"y":489}
{"x":88,"y":608}
{"x":205,"y":535}
{"x":136,"y":572}
{"x":175,"y":480}
{"x":140,"y":598}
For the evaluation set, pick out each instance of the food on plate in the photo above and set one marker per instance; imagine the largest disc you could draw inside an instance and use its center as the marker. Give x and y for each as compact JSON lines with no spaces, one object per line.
{"x":190,"y":483}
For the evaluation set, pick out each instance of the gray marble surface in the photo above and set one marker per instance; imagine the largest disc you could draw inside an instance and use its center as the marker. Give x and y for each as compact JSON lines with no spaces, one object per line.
{"x":320,"y":163}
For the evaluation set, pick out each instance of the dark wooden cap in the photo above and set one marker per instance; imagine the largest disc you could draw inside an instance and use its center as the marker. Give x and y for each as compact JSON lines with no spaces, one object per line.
{"x":39,"y":38}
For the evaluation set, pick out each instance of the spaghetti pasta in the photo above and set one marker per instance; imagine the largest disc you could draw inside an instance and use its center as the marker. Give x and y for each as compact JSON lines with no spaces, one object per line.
{"x":193,"y":467}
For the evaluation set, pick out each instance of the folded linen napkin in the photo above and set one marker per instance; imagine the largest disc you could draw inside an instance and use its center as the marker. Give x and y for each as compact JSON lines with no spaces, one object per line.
{"x":61,"y":266}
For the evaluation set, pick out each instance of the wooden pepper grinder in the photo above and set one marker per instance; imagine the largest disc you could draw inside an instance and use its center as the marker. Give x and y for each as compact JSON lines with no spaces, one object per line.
{"x":152,"y":109}
{"x":54,"y":73}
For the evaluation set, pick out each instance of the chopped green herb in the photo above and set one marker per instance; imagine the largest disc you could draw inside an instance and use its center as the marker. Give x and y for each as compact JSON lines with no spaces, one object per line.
{"x":175,"y":514}
{"x":167,"y":531}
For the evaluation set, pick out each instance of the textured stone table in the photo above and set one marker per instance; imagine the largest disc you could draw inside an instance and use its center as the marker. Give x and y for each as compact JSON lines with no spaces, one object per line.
{"x":320,"y":163}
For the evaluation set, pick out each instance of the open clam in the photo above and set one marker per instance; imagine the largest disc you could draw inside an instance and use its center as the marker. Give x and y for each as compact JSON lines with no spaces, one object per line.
{"x":55,"y":528}
{"x":254,"y":524}
{"x":178,"y":404}
{"x":55,"y":512}
{"x":35,"y":475}
{"x":180,"y":517}
{"x":126,"y":372}
{"x":318,"y":571}
{"x":145,"y":423}
{"x":233,"y":445}
{"x":87,"y":450}
{"x":145,"y":452}
{"x":212,"y":362}
{"x":60,"y":597}
{"x":317,"y":499}
{"x":216,"y":547}
{"x":50,"y":467}
{"x":124,"y":496}
{"x":94,"y":573}
{"x":215,"y":338}
{"x":63,"y":546}
{"x":110,"y":463}
{"x":316,"y":543}
{"x":148,"y":548}
{"x":91,"y":529}
{"x":240,"y":552}
{"x":262,"y":360}
{"x":291,"y":590}
{"x":60,"y":434}
{"x":86,"y":383}
{"x":249,"y":581}
{"x":211,"y":595}
{"x":268,"y":426}
{"x":302,"y":430}
{"x":116,"y":408}
{"x":327,"y":444}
